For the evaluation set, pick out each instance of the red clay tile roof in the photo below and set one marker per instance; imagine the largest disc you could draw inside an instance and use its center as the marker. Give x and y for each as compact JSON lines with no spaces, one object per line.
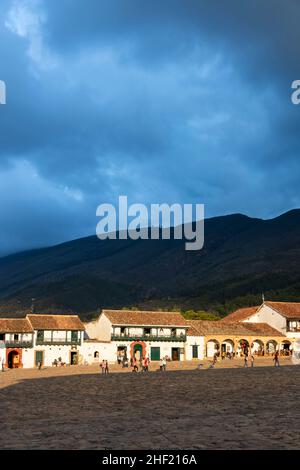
{"x":55,"y":322}
{"x":287,"y":309}
{"x":263,"y":329}
{"x":240,"y":315}
{"x":15,"y":325}
{"x":207,"y":327}
{"x":192,"y":331}
{"x":144,"y":318}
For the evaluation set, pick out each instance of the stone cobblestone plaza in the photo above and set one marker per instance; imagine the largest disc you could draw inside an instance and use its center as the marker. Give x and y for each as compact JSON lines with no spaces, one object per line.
{"x":228,"y":407}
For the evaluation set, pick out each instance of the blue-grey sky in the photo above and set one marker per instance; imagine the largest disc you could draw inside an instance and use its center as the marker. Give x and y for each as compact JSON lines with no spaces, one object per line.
{"x":173,"y":101}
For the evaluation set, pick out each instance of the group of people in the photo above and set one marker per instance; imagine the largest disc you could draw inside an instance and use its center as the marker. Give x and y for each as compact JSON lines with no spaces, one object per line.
{"x":275,"y":359}
{"x":58,"y":362}
{"x":122,"y":359}
{"x":246,"y":358}
{"x":104,"y":366}
{"x":143,"y":363}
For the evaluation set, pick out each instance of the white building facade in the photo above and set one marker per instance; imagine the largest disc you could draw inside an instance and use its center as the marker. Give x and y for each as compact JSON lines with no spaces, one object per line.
{"x":282,"y":316}
{"x":57,"y":338}
{"x":40,"y":339}
{"x":47,"y":340}
{"x":195,"y":344}
{"x":141,"y":334}
{"x":16,"y":342}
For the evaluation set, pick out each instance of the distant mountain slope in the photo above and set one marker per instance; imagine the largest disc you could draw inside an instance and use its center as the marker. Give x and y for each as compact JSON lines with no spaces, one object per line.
{"x":242,"y":257}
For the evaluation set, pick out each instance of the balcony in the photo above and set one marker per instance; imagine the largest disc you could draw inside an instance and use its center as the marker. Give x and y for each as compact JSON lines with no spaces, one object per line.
{"x":151,"y":338}
{"x":19,"y":344}
{"x":57,"y":342}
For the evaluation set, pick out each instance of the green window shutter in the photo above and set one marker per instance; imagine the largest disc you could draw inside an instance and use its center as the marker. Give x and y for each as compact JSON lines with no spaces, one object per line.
{"x":74,"y":336}
{"x":38,"y":357}
{"x":155,"y":353}
{"x":40,"y":335}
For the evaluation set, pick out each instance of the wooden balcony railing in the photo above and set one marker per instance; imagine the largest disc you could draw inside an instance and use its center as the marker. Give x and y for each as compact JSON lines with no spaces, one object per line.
{"x":19,"y":344}
{"x":181,"y":338}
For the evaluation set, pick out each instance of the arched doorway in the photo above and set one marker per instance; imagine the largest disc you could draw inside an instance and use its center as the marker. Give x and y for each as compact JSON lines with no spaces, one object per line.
{"x":227,"y":346}
{"x":212,"y":347}
{"x":243,"y":347}
{"x":13,"y":360}
{"x":257,"y":347}
{"x":285,"y":349}
{"x":138,"y":350}
{"x":271,"y":347}
{"x":74,"y":358}
{"x":121,"y":352}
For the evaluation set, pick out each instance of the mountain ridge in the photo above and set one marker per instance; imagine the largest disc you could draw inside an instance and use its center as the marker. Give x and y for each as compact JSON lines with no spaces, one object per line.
{"x":241,"y":258}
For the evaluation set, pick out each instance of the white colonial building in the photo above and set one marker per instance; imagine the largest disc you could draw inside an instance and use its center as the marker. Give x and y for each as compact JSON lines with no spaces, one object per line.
{"x":232,"y":337}
{"x":48,"y":339}
{"x":56,"y":338}
{"x":41,"y":339}
{"x":281,"y":316}
{"x":195,"y":342}
{"x":141,"y":334}
{"x":16,"y":342}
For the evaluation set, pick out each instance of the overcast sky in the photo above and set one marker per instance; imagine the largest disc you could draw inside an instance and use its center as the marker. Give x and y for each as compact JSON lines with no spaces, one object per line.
{"x":173,"y":101}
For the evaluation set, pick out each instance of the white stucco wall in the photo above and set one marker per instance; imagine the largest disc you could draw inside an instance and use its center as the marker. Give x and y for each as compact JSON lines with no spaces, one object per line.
{"x":293,"y":335}
{"x":211,"y":348}
{"x":28,"y":358}
{"x":267,"y":315}
{"x":2,"y":352}
{"x":52,"y":352}
{"x":107,"y":351}
{"x":99,"y":329}
{"x":191,"y":341}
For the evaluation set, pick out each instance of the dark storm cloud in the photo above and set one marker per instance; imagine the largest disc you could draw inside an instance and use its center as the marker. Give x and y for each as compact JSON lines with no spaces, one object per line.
{"x":257,"y":30}
{"x":162,"y":101}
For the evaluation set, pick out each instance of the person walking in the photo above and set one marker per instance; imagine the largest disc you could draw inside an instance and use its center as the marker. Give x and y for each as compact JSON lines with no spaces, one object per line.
{"x":252,"y":360}
{"x":2,"y":364}
{"x":102,"y":365}
{"x":135,"y":365}
{"x":276,"y":359}
{"x":215,"y":359}
{"x":106,"y":368}
{"x":246,"y":360}
{"x":164,"y":363}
